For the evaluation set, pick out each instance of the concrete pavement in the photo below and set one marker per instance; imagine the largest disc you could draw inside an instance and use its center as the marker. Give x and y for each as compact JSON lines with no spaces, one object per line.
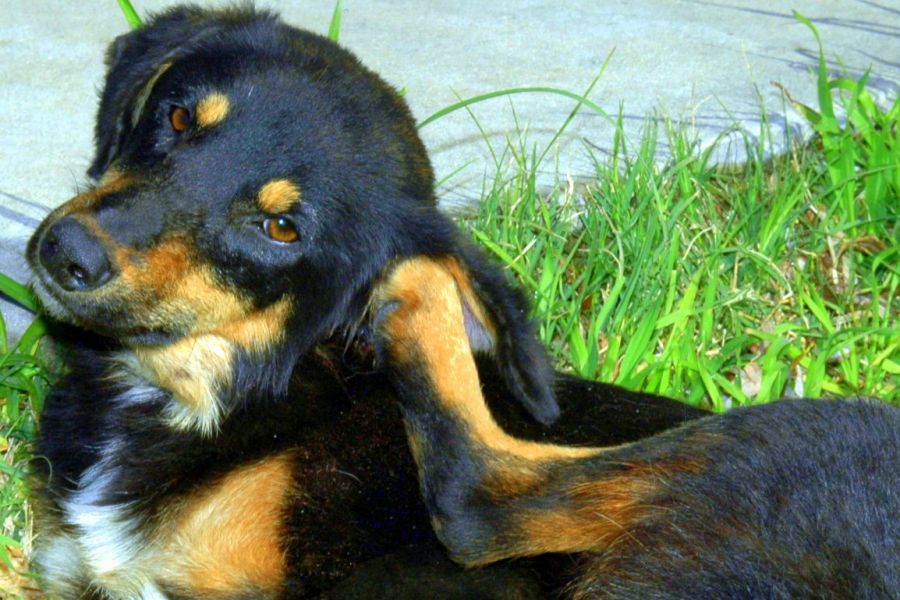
{"x":709,"y":63}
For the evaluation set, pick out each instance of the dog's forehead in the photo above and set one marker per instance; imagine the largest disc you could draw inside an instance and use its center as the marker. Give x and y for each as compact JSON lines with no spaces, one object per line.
{"x":301,"y":80}
{"x":268,"y":120}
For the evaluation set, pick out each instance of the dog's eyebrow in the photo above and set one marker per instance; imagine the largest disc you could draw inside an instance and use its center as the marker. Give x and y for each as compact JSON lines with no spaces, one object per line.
{"x":212,"y":109}
{"x":278,"y":196}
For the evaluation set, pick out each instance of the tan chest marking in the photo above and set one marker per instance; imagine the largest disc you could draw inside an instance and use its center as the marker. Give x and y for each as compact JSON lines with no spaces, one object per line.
{"x":229,"y":539}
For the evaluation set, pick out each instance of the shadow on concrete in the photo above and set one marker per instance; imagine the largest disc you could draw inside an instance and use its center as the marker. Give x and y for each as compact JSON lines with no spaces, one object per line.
{"x":860,"y":25}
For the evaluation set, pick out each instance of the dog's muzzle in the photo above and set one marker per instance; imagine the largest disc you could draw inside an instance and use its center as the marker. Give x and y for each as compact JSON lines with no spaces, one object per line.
{"x":74,"y":258}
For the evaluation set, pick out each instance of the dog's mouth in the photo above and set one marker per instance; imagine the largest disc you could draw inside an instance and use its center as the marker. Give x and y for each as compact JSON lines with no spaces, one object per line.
{"x":127,"y":313}
{"x":85,"y":312}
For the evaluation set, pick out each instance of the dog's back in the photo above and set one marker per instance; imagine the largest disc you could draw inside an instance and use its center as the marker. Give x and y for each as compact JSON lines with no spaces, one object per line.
{"x":799,"y":499}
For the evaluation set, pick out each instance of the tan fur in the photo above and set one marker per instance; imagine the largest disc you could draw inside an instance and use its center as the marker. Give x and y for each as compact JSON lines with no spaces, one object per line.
{"x":469,"y":297}
{"x":172,"y":287}
{"x":258,"y":330}
{"x":194,"y":369}
{"x":597,"y":514}
{"x":278,"y":196}
{"x":110,"y":177}
{"x":197,"y":367}
{"x":594,"y":515}
{"x":229,"y":538}
{"x":212,"y":109}
{"x":113,"y":181}
{"x":431,"y":310}
{"x":225,"y":540}
{"x":93,"y":227}
{"x":427,"y":330}
{"x":167,"y":287}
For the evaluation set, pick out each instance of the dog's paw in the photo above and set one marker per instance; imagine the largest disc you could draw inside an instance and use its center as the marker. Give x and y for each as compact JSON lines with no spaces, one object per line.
{"x":418,"y":315}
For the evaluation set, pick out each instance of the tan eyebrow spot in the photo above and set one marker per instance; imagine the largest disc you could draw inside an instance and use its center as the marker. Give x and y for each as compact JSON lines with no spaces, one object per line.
{"x":278,"y":196}
{"x":212,"y":109}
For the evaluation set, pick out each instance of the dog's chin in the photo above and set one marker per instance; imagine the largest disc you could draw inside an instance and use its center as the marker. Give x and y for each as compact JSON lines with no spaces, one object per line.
{"x":83,"y":317}
{"x":132,"y":337}
{"x":149,"y":338}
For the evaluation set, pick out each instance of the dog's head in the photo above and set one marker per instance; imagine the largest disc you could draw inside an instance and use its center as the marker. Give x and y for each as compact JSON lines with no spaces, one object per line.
{"x":251,"y":182}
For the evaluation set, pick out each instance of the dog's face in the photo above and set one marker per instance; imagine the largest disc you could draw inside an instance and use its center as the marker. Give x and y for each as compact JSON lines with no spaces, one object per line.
{"x":252,"y":180}
{"x":244,"y":169}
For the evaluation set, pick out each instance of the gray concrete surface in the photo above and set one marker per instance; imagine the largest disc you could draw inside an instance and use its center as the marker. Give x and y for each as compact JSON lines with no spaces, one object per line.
{"x":709,"y":63}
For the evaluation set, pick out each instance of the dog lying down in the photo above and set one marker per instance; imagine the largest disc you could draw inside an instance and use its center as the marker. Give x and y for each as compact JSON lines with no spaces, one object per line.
{"x":211,"y":439}
{"x":253,"y":187}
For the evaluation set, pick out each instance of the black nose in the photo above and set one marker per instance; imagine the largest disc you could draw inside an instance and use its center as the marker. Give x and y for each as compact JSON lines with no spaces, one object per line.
{"x":75,"y":259}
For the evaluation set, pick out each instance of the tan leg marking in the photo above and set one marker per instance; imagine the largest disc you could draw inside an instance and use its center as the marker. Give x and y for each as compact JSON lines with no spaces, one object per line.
{"x":428,"y":326}
{"x":469,"y":297}
{"x":533,"y":498}
{"x":596,"y":514}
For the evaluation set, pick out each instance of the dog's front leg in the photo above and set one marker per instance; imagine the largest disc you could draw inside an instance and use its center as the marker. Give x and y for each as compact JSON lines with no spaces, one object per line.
{"x":491,"y":496}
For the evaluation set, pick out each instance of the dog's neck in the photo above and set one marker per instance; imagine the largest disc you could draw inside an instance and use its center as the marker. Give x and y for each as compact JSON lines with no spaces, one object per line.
{"x":198,"y":370}
{"x":194,"y":372}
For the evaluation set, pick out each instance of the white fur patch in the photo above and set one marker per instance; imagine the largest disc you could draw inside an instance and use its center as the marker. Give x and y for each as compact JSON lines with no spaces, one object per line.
{"x":108,"y":540}
{"x":59,"y":559}
{"x":206,"y":422}
{"x":151,"y":592}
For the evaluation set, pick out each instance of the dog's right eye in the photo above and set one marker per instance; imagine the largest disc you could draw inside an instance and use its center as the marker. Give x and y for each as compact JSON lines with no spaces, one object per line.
{"x":179,"y":119}
{"x":281,"y":230}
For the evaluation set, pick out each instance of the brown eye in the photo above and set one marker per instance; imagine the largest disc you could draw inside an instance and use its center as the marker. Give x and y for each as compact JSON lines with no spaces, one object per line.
{"x":280,"y":229}
{"x":179,"y":118}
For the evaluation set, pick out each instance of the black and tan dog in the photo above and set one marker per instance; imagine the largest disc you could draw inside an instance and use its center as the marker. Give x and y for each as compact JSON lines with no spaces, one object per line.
{"x":252,"y":183}
{"x":796,"y":499}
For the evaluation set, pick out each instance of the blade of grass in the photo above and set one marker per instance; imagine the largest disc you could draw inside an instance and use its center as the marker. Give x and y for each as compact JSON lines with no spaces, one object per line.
{"x":510,"y":92}
{"x":17,"y":292}
{"x":334,"y":27}
{"x":134,"y":20}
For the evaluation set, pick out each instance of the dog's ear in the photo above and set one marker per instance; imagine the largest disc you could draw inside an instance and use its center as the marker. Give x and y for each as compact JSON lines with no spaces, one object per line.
{"x":497,"y":323}
{"x":135,"y":61}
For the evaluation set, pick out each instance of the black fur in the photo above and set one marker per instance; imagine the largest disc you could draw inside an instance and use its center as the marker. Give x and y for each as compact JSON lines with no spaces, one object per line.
{"x":795,"y":499}
{"x":175,"y":217}
{"x":304,"y":109}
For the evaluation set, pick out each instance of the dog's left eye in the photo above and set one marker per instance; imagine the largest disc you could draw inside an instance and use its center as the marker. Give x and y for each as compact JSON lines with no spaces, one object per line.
{"x":280,"y":229}
{"x":179,"y":118}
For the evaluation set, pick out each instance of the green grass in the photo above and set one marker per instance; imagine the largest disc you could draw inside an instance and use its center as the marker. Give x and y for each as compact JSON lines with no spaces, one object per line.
{"x":24,"y":381}
{"x":719,"y":286}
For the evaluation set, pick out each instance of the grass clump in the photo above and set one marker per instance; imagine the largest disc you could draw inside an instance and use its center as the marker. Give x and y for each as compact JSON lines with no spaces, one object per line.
{"x":720,"y":285}
{"x":24,"y":382}
{"x":711,"y":284}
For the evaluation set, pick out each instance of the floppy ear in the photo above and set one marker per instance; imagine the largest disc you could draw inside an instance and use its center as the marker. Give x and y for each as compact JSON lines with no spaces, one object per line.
{"x":135,"y":60}
{"x":497,"y":322}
